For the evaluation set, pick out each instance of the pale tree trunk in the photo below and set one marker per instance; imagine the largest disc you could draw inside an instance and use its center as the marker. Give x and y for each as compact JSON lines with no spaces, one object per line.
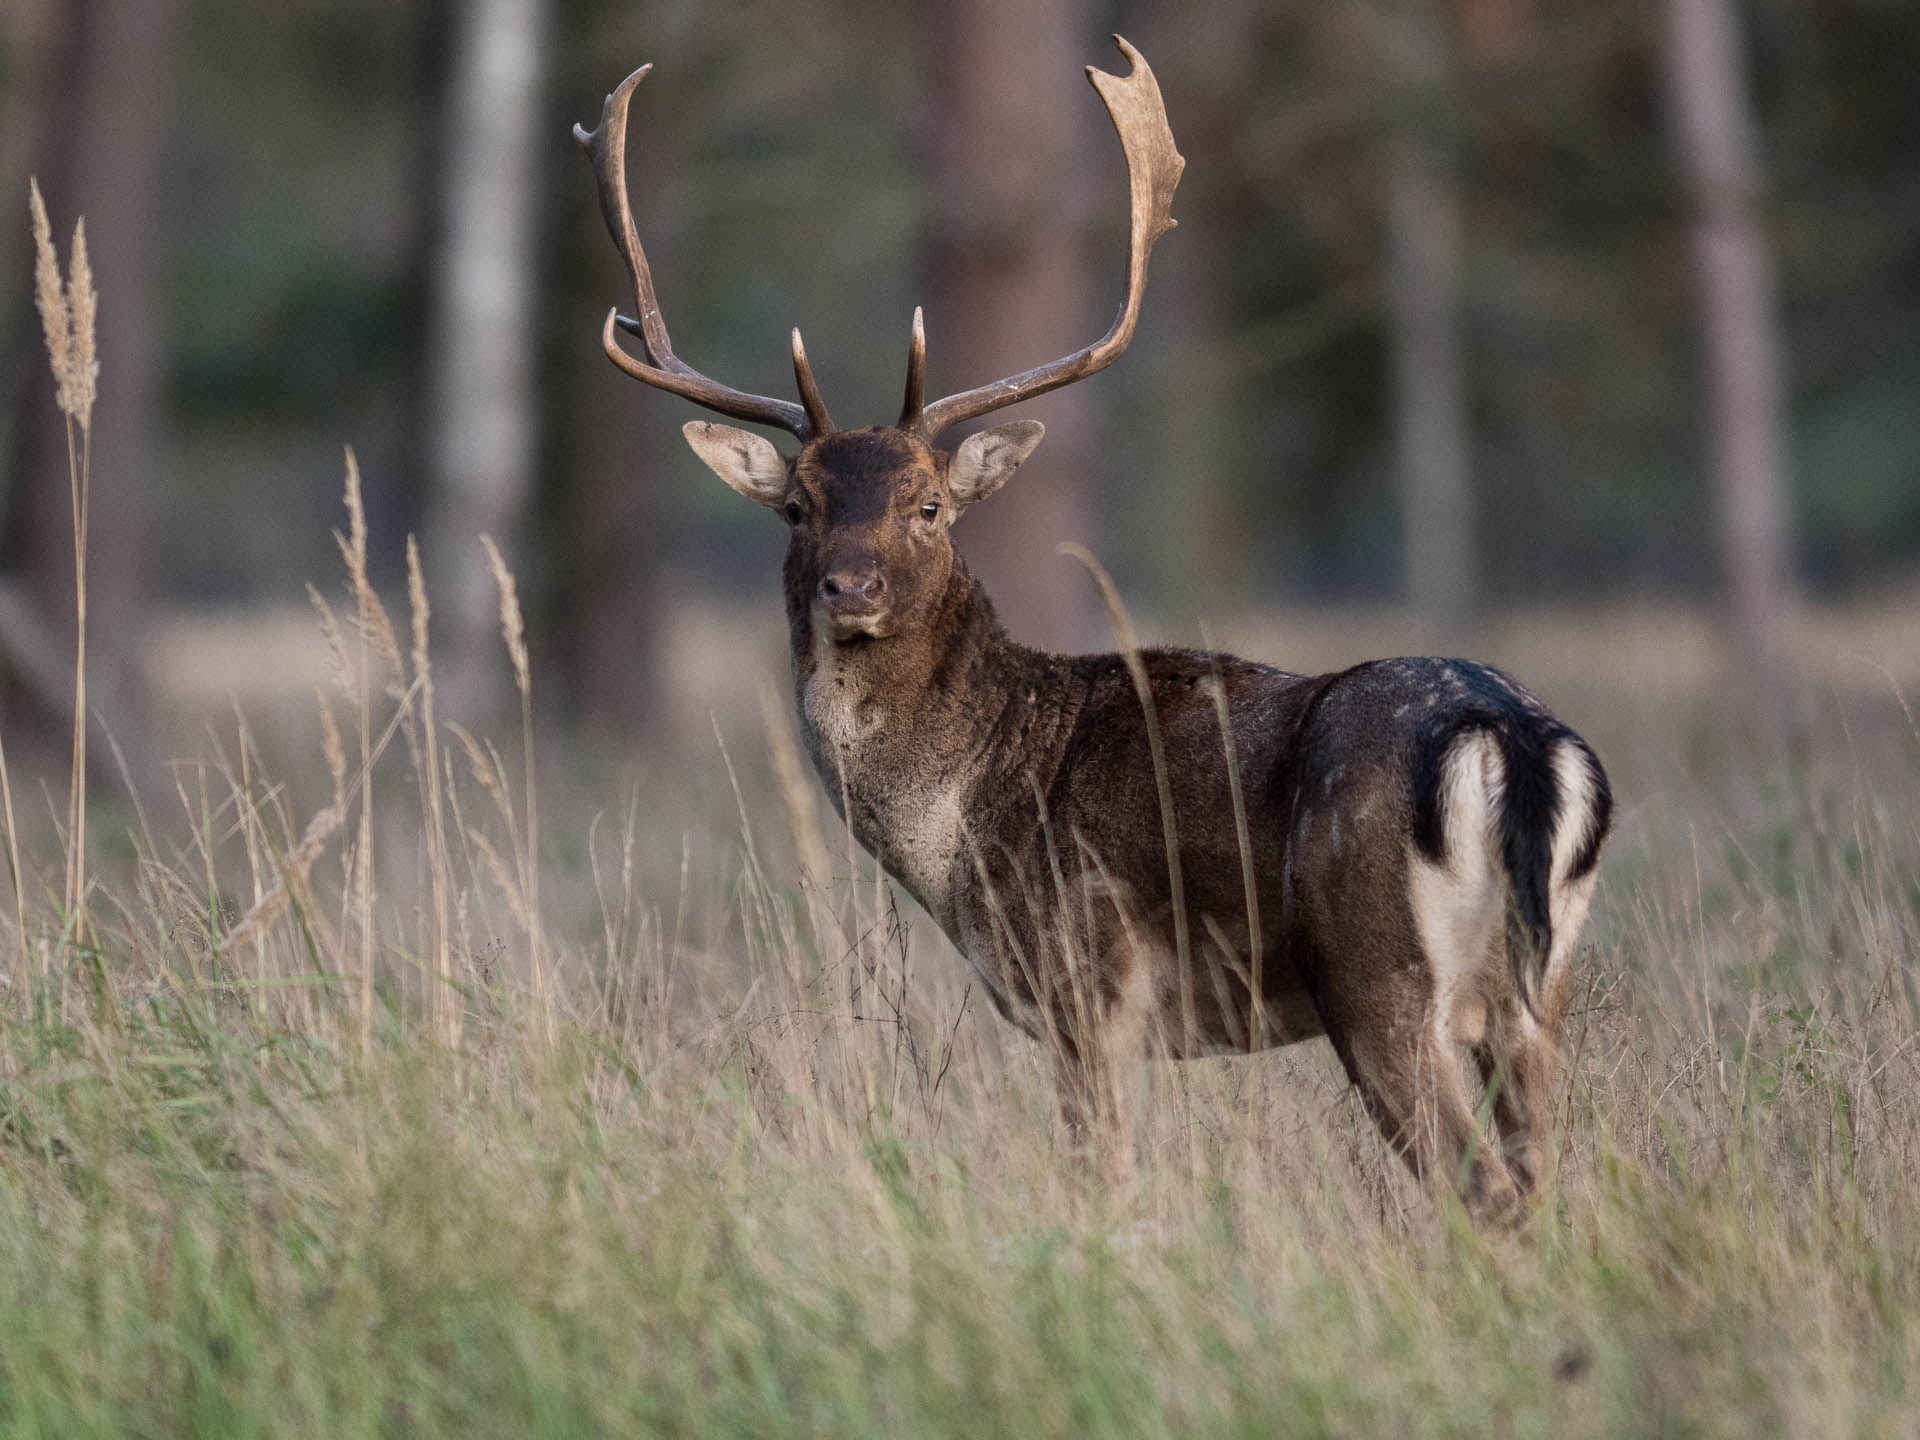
{"x":1432,"y":445}
{"x":1008,"y":240}
{"x":482,"y":426}
{"x":1720,"y":164}
{"x":94,"y":110}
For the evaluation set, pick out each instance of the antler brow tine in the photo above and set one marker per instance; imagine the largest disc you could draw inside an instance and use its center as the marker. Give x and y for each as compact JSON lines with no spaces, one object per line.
{"x":1153,"y":170}
{"x":606,"y":147}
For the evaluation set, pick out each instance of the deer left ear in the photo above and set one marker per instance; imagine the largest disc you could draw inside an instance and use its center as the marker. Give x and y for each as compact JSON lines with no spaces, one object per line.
{"x":986,"y":461}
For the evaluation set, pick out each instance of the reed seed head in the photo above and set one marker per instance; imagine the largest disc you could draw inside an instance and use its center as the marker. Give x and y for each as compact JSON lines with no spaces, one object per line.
{"x":82,"y":306}
{"x":512,"y":629}
{"x":67,"y":313}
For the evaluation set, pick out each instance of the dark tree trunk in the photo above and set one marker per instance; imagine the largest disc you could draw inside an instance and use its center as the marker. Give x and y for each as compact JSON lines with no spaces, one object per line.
{"x":1007,"y":248}
{"x":1205,"y":558}
{"x":95,"y":111}
{"x":614,"y":444}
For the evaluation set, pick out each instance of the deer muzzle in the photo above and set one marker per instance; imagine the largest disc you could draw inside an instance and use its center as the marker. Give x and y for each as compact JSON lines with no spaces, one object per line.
{"x":852,"y":600}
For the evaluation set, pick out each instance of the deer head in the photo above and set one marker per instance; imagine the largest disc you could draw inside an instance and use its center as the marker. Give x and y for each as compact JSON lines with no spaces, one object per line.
{"x":870,"y":509}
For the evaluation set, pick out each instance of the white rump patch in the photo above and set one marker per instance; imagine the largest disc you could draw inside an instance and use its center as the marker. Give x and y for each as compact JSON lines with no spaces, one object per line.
{"x":1459,"y":906}
{"x":1567,"y":898}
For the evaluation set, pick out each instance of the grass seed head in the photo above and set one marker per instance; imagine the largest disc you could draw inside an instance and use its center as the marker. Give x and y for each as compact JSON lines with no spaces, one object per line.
{"x":82,"y":305}
{"x":375,"y":629}
{"x":419,"y":612}
{"x":49,"y":296}
{"x":512,"y":629}
{"x":67,"y":313}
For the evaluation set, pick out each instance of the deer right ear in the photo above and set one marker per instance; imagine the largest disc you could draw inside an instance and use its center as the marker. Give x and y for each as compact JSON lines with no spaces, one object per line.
{"x":748,"y":463}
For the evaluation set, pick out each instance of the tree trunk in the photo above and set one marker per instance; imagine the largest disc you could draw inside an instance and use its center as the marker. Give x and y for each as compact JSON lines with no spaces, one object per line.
{"x":1014,"y":131}
{"x":482,"y":407}
{"x":1203,"y":560}
{"x":1431,"y":437}
{"x":1720,"y":166}
{"x":97,"y":111}
{"x":615,"y":443}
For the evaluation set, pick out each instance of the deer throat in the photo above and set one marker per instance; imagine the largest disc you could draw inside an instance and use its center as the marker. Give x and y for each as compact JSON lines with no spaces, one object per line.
{"x":902,"y":798}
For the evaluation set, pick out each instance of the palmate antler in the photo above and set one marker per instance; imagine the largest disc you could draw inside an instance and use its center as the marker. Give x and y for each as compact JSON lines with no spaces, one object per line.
{"x":607,"y":148}
{"x":1153,"y":170}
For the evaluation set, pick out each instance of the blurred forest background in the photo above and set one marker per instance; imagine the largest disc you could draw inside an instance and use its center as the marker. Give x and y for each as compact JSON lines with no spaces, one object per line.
{"x":1475,"y":305}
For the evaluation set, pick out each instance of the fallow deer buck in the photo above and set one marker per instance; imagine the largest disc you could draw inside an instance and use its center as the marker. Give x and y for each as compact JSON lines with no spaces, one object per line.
{"x":1161,"y":843}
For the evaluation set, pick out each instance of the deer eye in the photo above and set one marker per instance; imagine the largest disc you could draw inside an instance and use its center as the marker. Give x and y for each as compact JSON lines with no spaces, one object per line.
{"x":793,"y":512}
{"x":931,"y":510}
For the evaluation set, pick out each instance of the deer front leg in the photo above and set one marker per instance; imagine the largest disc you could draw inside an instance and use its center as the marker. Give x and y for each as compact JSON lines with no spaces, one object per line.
{"x":1097,"y":1047}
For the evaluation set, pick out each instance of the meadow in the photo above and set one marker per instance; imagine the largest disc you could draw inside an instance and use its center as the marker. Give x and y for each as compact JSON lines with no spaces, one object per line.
{"x":423,"y":1086}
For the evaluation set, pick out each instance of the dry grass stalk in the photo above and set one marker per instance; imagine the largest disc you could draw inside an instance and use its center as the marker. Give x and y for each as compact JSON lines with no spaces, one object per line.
{"x":333,"y":750}
{"x":13,"y":867}
{"x":514,"y":631}
{"x":68,"y":321}
{"x":512,"y":627}
{"x":797,"y":793}
{"x":338,"y":670}
{"x":251,"y":928}
{"x":374,"y":629}
{"x":445,"y":1001}
{"x":1129,"y":643}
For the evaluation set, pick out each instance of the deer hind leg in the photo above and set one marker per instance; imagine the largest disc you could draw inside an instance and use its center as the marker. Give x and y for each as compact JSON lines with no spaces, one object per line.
{"x":1517,"y":1066}
{"x":1401,"y":1054}
{"x":1520,"y":1053}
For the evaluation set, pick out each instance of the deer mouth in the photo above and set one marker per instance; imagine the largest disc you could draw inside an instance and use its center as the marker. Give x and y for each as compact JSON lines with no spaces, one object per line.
{"x":846,"y":624}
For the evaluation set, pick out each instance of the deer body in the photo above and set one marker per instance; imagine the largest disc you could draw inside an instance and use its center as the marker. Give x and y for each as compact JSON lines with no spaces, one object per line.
{"x":1177,"y":849}
{"x":1009,"y":791}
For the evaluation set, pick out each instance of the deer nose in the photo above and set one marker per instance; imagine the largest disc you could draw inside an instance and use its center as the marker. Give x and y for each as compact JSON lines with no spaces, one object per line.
{"x":853,"y":590}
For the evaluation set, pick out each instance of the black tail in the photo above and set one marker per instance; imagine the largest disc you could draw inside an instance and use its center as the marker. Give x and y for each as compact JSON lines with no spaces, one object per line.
{"x":1529,"y":812}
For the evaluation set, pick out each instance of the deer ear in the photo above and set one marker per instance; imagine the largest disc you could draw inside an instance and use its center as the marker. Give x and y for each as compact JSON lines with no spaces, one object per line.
{"x":746,"y":462}
{"x":986,"y":461}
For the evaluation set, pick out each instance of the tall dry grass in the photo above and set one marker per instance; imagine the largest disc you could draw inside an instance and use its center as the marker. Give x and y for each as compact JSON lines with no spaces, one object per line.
{"x":67,"y":317}
{"x":391,"y":1115}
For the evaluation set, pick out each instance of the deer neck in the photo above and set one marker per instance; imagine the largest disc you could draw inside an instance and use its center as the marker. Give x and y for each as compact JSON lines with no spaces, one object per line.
{"x":902,"y":730}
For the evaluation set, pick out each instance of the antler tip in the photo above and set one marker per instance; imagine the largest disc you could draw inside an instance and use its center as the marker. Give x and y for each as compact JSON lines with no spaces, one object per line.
{"x":616,"y":103}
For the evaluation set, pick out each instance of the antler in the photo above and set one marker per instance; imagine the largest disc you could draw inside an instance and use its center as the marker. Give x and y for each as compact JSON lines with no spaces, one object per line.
{"x":1153,"y":170}
{"x":607,"y":148}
